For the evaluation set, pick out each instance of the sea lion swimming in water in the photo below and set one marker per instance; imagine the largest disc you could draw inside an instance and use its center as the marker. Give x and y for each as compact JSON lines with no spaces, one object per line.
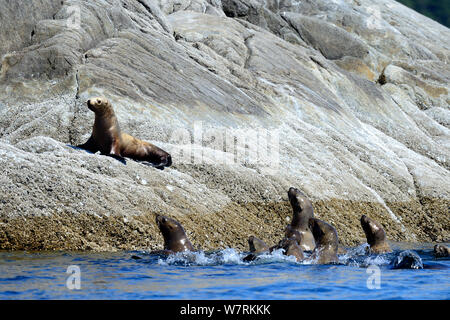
{"x":326,"y":240}
{"x":290,"y":246}
{"x":107,"y":138}
{"x":441,"y":251}
{"x":376,"y":237}
{"x":302,"y":212}
{"x":257,"y":245}
{"x":175,"y":239}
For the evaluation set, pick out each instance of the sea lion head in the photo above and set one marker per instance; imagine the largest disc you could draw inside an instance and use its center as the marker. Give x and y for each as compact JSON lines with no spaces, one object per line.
{"x":99,"y":105}
{"x":301,"y":206}
{"x":373,"y":230}
{"x":175,"y":238}
{"x":324,"y":233}
{"x":293,"y":233}
{"x":291,"y":247}
{"x":257,"y":245}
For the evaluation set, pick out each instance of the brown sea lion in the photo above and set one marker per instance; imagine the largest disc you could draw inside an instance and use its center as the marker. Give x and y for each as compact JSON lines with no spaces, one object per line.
{"x":175,"y":239}
{"x":290,"y":245}
{"x":376,"y":237}
{"x":291,"y":248}
{"x":326,"y":240}
{"x":256,"y":245}
{"x":441,"y":251}
{"x":107,"y":138}
{"x":302,"y":212}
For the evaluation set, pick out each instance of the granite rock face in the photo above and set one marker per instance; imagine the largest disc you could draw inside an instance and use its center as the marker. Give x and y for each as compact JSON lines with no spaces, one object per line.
{"x":347,"y":101}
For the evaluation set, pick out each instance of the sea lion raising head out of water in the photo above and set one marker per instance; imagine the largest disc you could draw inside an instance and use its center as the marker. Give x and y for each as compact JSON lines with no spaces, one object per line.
{"x":257,"y":245}
{"x":107,"y":138}
{"x":175,"y":239}
{"x":326,"y":239}
{"x":302,"y":212}
{"x":375,"y":235}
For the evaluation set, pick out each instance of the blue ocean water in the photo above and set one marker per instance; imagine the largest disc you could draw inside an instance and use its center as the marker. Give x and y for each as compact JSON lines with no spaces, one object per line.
{"x":219,"y":275}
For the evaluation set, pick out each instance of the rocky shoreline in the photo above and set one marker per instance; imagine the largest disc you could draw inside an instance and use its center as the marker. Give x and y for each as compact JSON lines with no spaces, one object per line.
{"x":228,"y":228}
{"x":347,"y":101}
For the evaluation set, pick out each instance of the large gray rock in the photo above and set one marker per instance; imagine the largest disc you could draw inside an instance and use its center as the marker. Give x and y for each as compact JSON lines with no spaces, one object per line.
{"x":346,"y":100}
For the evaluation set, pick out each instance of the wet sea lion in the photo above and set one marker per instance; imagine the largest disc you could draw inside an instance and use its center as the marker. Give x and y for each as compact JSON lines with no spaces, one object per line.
{"x":175,"y":239}
{"x":411,"y":260}
{"x":107,"y":138}
{"x":291,"y":247}
{"x":441,"y":251}
{"x":407,"y":260}
{"x":256,"y":245}
{"x":326,"y":240}
{"x":302,"y":212}
{"x":376,"y":237}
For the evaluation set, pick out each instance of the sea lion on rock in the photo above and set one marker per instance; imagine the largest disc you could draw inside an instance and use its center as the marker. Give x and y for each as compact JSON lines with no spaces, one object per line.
{"x":376,"y":237}
{"x":302,"y":212}
{"x":107,"y":138}
{"x":441,"y":251}
{"x":326,"y":240}
{"x":175,"y":239}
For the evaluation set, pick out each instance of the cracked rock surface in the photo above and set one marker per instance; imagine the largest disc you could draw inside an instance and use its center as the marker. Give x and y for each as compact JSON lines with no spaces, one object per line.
{"x":347,"y":101}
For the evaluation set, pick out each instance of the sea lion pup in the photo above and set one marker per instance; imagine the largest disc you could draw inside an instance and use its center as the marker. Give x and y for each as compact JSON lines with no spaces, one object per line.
{"x":326,"y":240}
{"x":376,"y":237}
{"x":175,"y":239}
{"x":441,"y":251}
{"x":302,"y":212}
{"x":107,"y":138}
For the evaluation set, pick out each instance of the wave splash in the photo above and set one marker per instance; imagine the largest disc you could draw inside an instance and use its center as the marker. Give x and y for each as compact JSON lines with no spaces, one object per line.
{"x":355,"y":257}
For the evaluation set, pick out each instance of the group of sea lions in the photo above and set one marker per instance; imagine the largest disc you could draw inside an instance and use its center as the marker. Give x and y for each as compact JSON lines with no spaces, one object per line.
{"x":304,"y":234}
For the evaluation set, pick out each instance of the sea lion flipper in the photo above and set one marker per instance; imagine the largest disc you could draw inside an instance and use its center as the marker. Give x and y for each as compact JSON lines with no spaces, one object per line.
{"x":89,"y":145}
